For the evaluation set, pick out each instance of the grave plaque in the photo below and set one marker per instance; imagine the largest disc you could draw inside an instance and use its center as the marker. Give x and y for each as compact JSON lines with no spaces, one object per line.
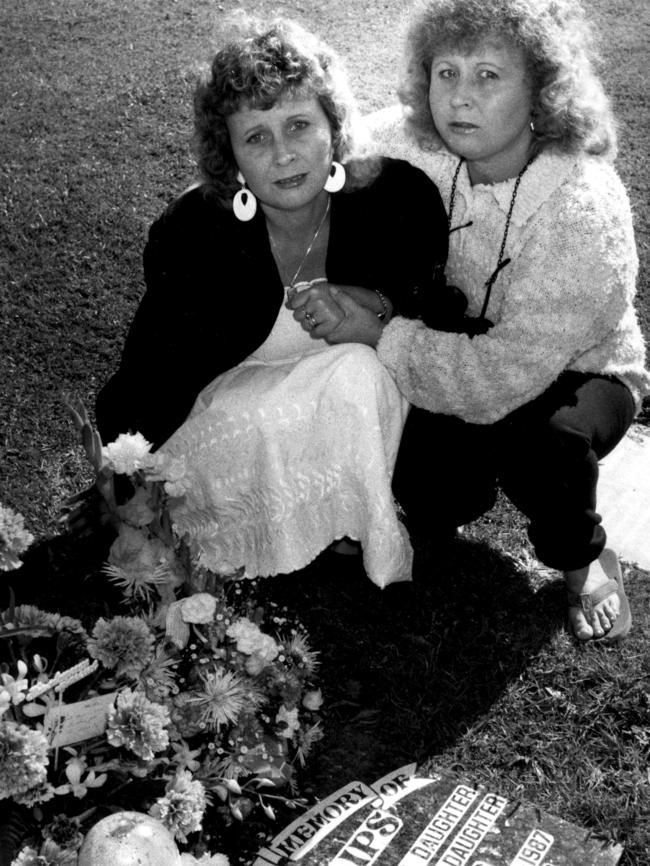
{"x":435,"y":819}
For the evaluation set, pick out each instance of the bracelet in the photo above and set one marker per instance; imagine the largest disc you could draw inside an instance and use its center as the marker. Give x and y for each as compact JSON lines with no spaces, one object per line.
{"x":381,"y":316}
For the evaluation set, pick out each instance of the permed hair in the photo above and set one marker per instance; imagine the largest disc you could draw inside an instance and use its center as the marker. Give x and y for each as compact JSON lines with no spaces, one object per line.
{"x":570,"y":110}
{"x":260,"y":64}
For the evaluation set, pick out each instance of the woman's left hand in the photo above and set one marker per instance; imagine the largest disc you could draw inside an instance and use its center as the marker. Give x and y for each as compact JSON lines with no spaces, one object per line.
{"x":316,"y":309}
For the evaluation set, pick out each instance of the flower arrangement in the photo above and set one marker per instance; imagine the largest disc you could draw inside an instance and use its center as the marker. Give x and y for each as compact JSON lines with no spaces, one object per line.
{"x":193,"y":703}
{"x":14,"y":539}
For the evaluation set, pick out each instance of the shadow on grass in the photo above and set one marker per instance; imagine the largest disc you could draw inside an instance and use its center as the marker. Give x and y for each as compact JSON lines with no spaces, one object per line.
{"x":63,"y":575}
{"x":407,"y":670}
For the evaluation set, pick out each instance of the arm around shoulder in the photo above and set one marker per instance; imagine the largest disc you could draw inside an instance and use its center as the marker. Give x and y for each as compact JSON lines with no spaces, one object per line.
{"x":567,"y":305}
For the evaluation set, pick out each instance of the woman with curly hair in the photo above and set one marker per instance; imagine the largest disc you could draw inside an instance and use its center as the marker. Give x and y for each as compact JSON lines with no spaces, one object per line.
{"x":289,"y":443}
{"x":503,"y":109}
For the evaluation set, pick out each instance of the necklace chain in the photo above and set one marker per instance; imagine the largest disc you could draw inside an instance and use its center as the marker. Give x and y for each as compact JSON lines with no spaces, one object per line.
{"x":501,"y":262}
{"x":307,"y":251}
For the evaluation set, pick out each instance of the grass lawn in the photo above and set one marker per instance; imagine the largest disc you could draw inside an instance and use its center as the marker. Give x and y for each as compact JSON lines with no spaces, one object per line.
{"x":472,"y":670}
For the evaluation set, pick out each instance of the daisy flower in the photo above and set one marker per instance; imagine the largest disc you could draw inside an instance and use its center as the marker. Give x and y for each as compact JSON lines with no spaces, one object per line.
{"x":298,"y":647}
{"x":223,"y":697}
{"x":306,"y":740}
{"x":135,"y":583}
{"x":158,"y":678}
{"x":139,"y":564}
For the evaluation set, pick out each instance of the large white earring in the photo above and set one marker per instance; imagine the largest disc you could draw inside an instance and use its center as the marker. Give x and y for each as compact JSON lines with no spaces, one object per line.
{"x":244,"y":203}
{"x":336,"y":178}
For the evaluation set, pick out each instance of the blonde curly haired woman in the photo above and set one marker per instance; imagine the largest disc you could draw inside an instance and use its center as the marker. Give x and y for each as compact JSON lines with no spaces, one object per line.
{"x":503,"y":109}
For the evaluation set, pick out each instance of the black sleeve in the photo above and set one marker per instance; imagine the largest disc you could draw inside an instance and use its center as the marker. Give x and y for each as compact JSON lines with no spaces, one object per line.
{"x":410,"y":237}
{"x":174,"y":345}
{"x":144,"y":395}
{"x":423,"y":292}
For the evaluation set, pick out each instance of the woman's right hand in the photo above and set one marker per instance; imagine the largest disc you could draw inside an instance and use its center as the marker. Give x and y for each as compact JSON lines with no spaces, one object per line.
{"x":316,"y":309}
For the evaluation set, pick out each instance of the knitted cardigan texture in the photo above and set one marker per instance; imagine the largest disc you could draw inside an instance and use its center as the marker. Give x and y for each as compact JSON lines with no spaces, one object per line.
{"x":565,"y":301}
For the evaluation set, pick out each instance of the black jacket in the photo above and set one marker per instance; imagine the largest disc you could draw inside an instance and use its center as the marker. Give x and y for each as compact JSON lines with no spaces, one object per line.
{"x":214,"y":292}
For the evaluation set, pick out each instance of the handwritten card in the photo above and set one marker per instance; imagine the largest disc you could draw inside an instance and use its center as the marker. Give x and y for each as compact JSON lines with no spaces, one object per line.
{"x":73,"y":723}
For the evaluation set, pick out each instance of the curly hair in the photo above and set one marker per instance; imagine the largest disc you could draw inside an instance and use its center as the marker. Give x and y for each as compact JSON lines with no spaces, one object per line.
{"x":570,"y":110}
{"x":260,"y":64}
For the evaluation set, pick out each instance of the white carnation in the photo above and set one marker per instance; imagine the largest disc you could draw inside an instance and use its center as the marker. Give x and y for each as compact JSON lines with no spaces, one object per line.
{"x":128,"y":453}
{"x":199,"y":608}
{"x":251,"y":640}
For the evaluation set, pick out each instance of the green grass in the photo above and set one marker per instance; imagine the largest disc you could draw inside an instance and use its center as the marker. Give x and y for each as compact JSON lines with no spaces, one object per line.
{"x":474,"y":672}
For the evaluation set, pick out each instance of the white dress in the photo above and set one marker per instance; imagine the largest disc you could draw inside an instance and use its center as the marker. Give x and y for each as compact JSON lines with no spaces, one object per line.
{"x":289,"y":451}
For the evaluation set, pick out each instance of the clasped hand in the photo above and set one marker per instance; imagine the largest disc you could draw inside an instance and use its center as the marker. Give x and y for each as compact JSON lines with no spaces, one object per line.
{"x":330,"y":312}
{"x":315,"y":308}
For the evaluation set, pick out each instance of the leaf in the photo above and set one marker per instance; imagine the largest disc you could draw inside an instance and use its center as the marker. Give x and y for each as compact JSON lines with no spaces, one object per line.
{"x":87,"y":442}
{"x":221,"y":792}
{"x":263,"y":783}
{"x":90,"y":438}
{"x":78,"y":413}
{"x":32,"y":710}
{"x":97,"y":445}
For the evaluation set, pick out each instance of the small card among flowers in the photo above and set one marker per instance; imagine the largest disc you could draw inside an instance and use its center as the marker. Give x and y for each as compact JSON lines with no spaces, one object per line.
{"x":65,"y":724}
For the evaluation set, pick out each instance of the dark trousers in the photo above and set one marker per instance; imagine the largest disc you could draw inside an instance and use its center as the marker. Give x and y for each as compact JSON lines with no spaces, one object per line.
{"x":544,"y":456}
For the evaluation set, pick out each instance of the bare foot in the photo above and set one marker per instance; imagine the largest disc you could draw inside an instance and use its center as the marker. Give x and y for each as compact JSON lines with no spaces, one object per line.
{"x":598,"y":620}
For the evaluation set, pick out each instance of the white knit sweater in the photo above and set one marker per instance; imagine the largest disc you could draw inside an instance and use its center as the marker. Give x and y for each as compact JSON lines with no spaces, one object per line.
{"x":565,"y":301}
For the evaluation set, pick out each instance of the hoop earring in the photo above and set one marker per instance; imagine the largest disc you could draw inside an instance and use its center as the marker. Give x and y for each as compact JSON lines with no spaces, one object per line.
{"x":336,"y":178}
{"x":244,"y":203}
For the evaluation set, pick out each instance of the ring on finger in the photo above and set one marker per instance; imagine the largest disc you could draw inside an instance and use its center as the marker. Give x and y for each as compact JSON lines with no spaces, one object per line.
{"x":311,"y":320}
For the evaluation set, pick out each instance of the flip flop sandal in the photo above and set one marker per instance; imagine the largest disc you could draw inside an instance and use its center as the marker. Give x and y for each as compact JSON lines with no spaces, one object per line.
{"x":587,"y":601}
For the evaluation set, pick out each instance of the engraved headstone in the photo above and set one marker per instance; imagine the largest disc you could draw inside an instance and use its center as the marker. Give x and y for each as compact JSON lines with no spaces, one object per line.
{"x":435,"y":819}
